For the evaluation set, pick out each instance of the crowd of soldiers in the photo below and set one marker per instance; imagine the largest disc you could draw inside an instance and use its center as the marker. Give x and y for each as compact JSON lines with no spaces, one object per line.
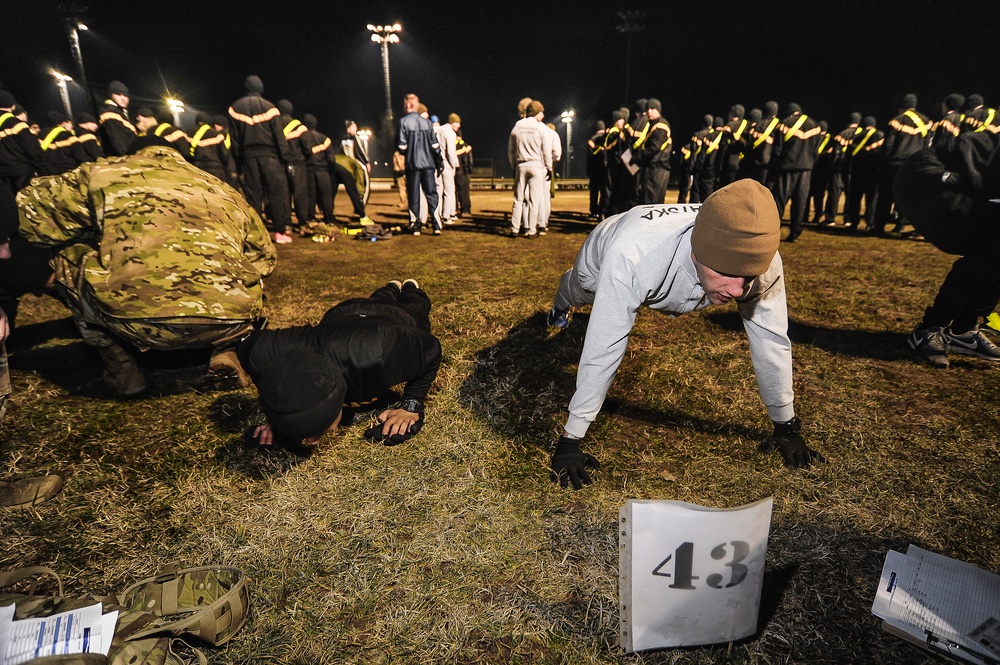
{"x":797,"y":157}
{"x":276,"y":160}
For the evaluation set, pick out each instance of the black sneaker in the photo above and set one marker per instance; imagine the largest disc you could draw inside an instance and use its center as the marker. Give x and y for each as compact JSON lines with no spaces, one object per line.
{"x":929,"y":345}
{"x":558,"y":318}
{"x":972,"y":343}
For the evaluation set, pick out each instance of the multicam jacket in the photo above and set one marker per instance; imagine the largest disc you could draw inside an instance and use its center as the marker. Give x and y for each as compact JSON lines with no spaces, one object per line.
{"x":150,"y":236}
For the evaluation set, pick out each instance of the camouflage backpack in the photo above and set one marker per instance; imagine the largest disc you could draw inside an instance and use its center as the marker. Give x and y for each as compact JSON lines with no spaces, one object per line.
{"x":156,"y":615}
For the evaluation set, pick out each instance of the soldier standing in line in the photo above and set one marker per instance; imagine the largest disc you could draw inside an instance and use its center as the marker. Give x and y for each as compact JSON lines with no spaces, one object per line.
{"x":819,"y":182}
{"x":320,"y":188}
{"x":863,"y":158}
{"x":908,"y":134}
{"x":950,"y":125}
{"x":799,"y":136}
{"x":148,"y":125}
{"x":298,"y":183}
{"x":840,"y":176}
{"x":262,"y":154}
{"x":58,"y":144}
{"x":463,"y":176}
{"x":116,"y":131}
{"x":208,"y":151}
{"x":732,"y":145}
{"x":20,"y":154}
{"x":654,"y":155}
{"x":977,"y":116}
{"x":151,"y":253}
{"x":87,"y":147}
{"x":220,"y":123}
{"x":762,"y":145}
{"x":596,"y":170}
{"x":699,"y":140}
{"x":615,"y":145}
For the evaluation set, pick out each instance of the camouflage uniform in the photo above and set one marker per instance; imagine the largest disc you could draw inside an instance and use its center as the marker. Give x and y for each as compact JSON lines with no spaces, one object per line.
{"x":152,"y":249}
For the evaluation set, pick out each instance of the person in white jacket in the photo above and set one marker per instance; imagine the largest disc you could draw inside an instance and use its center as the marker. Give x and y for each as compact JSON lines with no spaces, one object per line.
{"x":556,"y":156}
{"x":677,"y":259}
{"x":529,"y":151}
{"x":447,"y":139}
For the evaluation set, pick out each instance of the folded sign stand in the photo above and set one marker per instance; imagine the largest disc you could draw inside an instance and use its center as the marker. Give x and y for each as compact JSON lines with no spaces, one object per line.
{"x":690,"y":575}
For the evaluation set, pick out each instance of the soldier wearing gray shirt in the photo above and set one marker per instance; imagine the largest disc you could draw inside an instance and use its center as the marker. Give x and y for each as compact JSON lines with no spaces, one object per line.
{"x":677,"y":259}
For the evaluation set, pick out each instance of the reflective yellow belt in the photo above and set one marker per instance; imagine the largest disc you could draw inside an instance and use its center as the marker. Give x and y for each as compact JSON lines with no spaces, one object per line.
{"x":795,"y":127}
{"x":290,"y":127}
{"x":51,"y":137}
{"x":921,"y":126}
{"x":198,"y":136}
{"x":863,"y":142}
{"x":767,"y":132}
{"x":989,"y":121}
{"x":162,"y":127}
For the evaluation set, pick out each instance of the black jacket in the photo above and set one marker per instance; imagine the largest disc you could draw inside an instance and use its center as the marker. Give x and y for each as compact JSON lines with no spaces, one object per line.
{"x":20,"y":151}
{"x":255,"y":128}
{"x":117,"y":133}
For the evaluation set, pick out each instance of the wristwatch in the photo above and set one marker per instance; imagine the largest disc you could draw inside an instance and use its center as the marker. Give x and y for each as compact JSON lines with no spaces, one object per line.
{"x":793,"y":426}
{"x":411,"y":405}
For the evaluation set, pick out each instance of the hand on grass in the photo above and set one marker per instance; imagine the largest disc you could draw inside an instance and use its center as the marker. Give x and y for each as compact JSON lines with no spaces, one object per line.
{"x":789,"y":442}
{"x":570,"y":464}
{"x":395,"y":426}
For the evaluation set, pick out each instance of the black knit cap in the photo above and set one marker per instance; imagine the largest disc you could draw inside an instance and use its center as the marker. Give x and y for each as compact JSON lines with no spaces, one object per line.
{"x":792,"y":109}
{"x":6,"y":99}
{"x":309,"y":120}
{"x":117,"y":88}
{"x":854,"y":118}
{"x":617,"y":115}
{"x":869,"y":121}
{"x":706,"y":120}
{"x":755,"y":115}
{"x":954,"y":101}
{"x":301,"y":393}
{"x":145,"y":112}
{"x":600,"y":125}
{"x":56,"y":117}
{"x":254,"y":84}
{"x":284,"y":107}
{"x":85,"y":117}
{"x":718,"y":121}
{"x":640,"y":105}
{"x":771,"y":107}
{"x":654,"y":103}
{"x":972,"y":101}
{"x":737,"y":111}
{"x":909,"y":101}
{"x":220,"y":120}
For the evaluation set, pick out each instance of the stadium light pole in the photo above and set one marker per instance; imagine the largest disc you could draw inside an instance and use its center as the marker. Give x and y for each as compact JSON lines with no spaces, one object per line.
{"x":75,"y":27}
{"x":567,"y":118}
{"x":61,"y":81}
{"x":176,"y":108}
{"x":383,"y":35}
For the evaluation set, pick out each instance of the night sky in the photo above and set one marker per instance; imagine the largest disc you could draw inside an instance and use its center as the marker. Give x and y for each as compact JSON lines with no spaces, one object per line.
{"x":478,"y":59}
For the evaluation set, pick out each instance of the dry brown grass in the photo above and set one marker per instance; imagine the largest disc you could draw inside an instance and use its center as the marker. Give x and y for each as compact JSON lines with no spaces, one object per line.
{"x":455,"y":548}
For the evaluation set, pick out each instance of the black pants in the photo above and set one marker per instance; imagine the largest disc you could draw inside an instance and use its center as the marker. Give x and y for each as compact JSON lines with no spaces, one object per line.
{"x":298,"y":184}
{"x":886,"y":198}
{"x":598,"y":186}
{"x":410,"y":306}
{"x":838,"y":183}
{"x":793,"y":185}
{"x":956,"y":222}
{"x":263,"y":171}
{"x":863,"y":185}
{"x":654,"y":181}
{"x":463,"y":187}
{"x":341,"y":176}
{"x":320,"y":192}
{"x":704,"y":184}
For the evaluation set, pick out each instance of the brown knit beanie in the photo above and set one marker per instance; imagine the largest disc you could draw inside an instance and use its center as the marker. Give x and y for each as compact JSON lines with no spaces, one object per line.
{"x":737,"y":230}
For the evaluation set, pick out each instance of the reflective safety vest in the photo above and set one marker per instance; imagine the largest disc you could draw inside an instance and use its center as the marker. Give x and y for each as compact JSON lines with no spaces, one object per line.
{"x":822,"y":146}
{"x":50,"y":138}
{"x":739,"y":132}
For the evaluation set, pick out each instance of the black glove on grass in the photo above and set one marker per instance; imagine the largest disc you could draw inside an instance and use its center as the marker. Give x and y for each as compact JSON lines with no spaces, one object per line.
{"x":374,"y":434}
{"x":789,"y":442}
{"x":570,"y":464}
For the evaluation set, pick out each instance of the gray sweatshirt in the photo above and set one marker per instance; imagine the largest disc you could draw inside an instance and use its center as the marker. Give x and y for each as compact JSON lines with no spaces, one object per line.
{"x":643,"y":257}
{"x":530,"y":141}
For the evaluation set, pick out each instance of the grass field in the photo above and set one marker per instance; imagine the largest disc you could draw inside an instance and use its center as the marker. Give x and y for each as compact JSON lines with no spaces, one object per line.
{"x":456,"y":548}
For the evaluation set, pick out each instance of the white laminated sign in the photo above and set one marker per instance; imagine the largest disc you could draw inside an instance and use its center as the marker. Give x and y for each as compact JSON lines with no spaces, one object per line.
{"x":690,"y":575}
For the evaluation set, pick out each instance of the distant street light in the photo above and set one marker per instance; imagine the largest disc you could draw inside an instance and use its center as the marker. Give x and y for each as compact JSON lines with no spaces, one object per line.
{"x":75,"y":27}
{"x":61,"y":81}
{"x":176,"y":108}
{"x":385,"y":35}
{"x":567,"y":117}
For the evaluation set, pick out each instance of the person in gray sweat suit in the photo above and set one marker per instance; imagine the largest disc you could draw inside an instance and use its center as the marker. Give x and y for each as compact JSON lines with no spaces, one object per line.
{"x":677,"y":259}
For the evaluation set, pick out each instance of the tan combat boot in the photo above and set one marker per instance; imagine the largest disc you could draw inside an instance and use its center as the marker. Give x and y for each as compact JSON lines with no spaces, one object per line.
{"x":224,"y":366}
{"x":121,"y":371}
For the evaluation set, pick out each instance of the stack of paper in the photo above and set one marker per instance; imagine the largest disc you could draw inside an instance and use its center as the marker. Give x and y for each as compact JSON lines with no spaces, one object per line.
{"x":77,"y":631}
{"x":941,"y":604}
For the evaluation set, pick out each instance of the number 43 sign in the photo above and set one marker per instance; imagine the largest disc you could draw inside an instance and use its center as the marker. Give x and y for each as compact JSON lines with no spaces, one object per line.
{"x":690,"y":575}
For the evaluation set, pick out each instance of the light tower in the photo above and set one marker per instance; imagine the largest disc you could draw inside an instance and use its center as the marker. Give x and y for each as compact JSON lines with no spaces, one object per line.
{"x":385,"y":35}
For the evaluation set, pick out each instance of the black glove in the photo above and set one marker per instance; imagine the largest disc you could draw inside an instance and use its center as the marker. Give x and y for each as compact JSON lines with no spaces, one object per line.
{"x":789,"y":442}
{"x":548,"y":176}
{"x":570,"y":464}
